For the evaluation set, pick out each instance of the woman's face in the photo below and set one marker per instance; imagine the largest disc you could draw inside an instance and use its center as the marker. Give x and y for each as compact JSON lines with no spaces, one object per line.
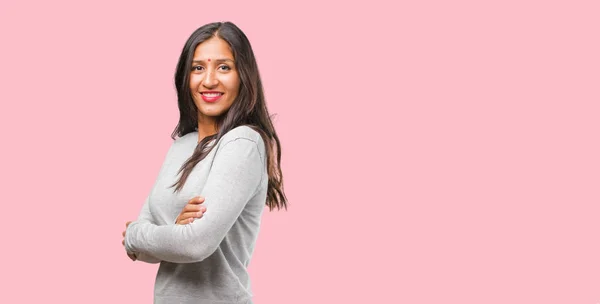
{"x":214,"y":80}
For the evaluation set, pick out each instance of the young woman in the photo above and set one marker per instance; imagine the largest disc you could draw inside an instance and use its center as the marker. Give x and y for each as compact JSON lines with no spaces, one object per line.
{"x":202,"y":217}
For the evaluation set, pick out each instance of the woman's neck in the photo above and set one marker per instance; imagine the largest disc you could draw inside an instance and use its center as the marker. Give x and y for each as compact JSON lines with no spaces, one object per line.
{"x":205,"y":130}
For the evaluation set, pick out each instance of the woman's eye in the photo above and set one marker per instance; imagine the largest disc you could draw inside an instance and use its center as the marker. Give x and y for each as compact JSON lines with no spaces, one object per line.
{"x":200,"y":68}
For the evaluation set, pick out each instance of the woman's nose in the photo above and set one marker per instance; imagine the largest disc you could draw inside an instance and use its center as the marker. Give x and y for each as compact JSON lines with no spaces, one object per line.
{"x":210,"y":80}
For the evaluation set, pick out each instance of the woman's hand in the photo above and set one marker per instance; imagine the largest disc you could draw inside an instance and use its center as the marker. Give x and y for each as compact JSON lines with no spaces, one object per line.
{"x":191,"y":211}
{"x":130,"y":255}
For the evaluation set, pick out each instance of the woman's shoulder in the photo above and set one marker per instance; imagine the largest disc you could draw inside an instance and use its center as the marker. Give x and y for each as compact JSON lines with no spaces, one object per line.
{"x":244,"y":131}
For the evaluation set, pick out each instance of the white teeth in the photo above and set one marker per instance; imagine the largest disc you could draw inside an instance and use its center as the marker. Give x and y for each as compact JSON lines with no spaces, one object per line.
{"x":211,"y":94}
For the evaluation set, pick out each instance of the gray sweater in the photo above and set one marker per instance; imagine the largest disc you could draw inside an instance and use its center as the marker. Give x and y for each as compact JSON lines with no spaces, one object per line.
{"x":205,"y":261}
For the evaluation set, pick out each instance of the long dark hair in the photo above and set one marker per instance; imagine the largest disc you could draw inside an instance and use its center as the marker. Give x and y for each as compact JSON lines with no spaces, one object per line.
{"x":249,"y":108}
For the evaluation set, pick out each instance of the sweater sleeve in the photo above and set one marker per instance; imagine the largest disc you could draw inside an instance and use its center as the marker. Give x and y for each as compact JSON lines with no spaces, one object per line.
{"x":145,"y":216}
{"x":234,"y":178}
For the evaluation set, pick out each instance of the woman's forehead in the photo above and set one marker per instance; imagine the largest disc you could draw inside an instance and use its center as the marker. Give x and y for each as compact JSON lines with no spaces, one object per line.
{"x":213,"y":49}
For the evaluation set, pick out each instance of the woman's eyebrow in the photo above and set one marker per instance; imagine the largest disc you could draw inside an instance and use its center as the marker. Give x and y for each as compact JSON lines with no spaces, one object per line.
{"x":217,"y":60}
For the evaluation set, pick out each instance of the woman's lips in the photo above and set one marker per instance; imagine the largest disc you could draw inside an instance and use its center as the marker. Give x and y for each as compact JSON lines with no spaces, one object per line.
{"x":211,"y":97}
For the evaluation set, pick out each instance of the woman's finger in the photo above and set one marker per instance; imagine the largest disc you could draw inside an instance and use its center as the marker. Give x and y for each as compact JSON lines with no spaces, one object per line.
{"x":193,"y":214}
{"x":132,"y":256}
{"x":188,"y":217}
{"x":192,"y":208}
{"x":196,"y":200}
{"x":185,"y":221}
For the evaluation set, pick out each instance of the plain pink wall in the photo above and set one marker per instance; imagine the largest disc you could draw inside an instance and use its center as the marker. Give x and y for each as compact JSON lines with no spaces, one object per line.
{"x":433,"y":151}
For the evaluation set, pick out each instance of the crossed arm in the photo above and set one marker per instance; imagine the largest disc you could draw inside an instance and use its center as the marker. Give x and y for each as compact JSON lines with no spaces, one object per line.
{"x":144,"y":216}
{"x":234,"y":178}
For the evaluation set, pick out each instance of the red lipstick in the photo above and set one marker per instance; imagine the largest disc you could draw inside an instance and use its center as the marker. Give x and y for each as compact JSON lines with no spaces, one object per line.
{"x":211,"y":96}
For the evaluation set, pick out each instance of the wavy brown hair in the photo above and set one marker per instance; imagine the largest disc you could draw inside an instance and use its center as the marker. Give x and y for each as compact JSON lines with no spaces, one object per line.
{"x":249,"y":107}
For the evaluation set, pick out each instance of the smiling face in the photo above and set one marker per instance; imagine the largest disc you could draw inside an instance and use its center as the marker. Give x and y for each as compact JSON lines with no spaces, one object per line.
{"x":214,"y":80}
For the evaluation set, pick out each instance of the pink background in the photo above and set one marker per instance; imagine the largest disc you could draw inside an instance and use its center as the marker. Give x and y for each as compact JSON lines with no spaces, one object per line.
{"x":439,"y":152}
